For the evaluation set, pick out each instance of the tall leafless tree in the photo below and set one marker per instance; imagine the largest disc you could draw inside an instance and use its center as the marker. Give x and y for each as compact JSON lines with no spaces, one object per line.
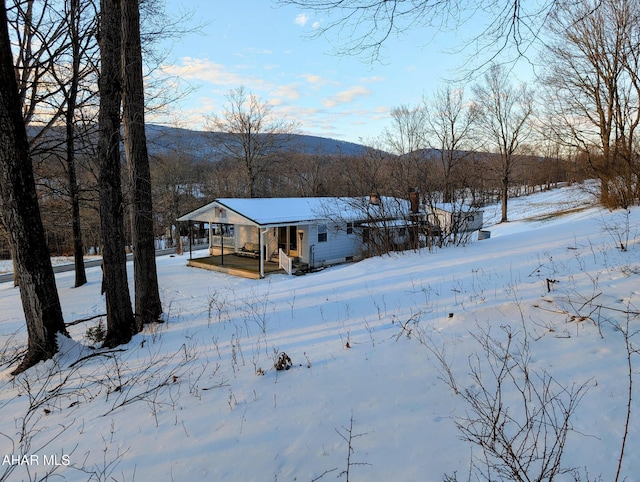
{"x":56,"y":59}
{"x":80,"y":44}
{"x":249,"y":133}
{"x":147,"y":297}
{"x":406,"y":139}
{"x":56,"y":44}
{"x":121,"y":324}
{"x":40,"y":35}
{"x":72,"y":99}
{"x":593,"y":97}
{"x":503,"y":116}
{"x":450,"y":122}
{"x":21,"y":213}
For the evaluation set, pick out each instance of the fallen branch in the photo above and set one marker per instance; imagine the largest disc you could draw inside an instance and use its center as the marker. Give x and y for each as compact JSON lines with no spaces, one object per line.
{"x":100,"y":353}
{"x":82,"y":320}
{"x":626,"y":312}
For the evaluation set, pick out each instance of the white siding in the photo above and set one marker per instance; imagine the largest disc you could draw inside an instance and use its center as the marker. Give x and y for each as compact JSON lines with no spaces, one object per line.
{"x":245,"y":234}
{"x":271,"y":242}
{"x":473,"y":221}
{"x":466,"y":221}
{"x":338,"y":248}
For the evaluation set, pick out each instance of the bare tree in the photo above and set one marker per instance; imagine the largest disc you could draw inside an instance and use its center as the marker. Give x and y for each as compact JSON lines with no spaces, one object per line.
{"x":72,"y":98}
{"x":380,"y":221}
{"x":406,"y":139}
{"x":41,"y":35}
{"x":249,"y":133}
{"x":450,"y":120}
{"x":56,"y":62}
{"x":179,"y":184}
{"x":80,"y":44}
{"x":56,"y":49}
{"x":504,"y":113}
{"x":121,"y":324}
{"x":147,"y":296}
{"x":593,"y":94}
{"x":304,"y":175}
{"x":362,"y":175}
{"x":21,"y":214}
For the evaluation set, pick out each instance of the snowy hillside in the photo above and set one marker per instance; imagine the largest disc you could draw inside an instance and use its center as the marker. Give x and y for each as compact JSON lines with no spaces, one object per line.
{"x":388,"y":356}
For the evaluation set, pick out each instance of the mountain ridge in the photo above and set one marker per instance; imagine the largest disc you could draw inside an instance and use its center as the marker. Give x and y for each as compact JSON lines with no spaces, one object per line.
{"x":164,"y":139}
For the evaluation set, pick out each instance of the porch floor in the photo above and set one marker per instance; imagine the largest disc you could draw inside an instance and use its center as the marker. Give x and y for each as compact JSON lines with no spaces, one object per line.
{"x":232,"y":264}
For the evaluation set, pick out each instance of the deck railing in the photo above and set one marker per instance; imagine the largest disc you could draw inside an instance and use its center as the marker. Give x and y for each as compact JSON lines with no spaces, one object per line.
{"x":285,"y":262}
{"x":229,"y":241}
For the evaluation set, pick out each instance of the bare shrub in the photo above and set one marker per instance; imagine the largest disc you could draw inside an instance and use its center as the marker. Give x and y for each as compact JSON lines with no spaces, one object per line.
{"x":518,"y":417}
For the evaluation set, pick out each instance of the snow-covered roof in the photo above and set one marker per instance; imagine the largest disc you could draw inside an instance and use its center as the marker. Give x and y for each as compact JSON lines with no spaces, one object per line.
{"x":285,"y":211}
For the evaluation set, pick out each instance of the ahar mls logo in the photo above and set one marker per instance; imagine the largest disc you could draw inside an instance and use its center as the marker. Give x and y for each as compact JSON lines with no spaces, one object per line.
{"x":53,"y":460}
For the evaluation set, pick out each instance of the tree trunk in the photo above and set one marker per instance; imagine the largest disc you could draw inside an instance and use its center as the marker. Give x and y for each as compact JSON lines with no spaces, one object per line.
{"x":40,"y":302}
{"x":147,"y":297}
{"x":120,"y":321}
{"x":504,"y":198}
{"x":78,"y":248}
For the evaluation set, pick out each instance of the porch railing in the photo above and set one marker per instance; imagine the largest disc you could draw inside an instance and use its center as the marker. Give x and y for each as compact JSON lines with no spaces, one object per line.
{"x":285,"y":262}
{"x":229,"y":241}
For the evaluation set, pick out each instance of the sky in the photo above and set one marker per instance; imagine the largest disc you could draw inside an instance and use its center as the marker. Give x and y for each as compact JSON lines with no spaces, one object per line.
{"x":268,"y":49}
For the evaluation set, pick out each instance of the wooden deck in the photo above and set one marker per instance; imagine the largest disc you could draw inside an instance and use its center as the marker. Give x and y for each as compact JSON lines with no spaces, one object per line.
{"x":235,"y":265}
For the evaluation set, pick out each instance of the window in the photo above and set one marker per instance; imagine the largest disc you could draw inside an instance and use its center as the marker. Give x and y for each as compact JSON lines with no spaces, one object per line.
{"x":322,"y":233}
{"x":349,"y":228}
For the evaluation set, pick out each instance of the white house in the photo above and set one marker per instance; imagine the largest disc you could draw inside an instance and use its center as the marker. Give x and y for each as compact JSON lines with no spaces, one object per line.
{"x":295,"y":232}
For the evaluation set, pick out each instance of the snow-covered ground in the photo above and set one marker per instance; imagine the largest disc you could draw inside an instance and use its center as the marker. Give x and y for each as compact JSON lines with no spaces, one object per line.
{"x":198,"y":398}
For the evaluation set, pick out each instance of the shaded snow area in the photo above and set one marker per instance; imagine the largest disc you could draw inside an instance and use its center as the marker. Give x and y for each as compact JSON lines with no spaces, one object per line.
{"x":395,"y":362}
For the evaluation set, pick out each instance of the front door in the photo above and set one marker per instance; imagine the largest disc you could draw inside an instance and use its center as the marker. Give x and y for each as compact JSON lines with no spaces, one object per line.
{"x":288,"y":240}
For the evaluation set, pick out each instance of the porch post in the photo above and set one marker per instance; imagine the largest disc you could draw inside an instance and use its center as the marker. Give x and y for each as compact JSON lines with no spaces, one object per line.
{"x":262,"y":250}
{"x":210,"y":239}
{"x":221,"y":245}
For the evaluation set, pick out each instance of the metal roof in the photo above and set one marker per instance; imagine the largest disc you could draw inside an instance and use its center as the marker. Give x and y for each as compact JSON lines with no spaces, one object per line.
{"x":289,"y":211}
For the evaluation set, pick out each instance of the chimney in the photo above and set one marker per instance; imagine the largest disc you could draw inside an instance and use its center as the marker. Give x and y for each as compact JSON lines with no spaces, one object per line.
{"x":374,"y":199}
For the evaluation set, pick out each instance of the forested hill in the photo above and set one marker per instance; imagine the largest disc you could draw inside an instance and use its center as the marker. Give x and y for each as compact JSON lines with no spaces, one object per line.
{"x":162,"y":139}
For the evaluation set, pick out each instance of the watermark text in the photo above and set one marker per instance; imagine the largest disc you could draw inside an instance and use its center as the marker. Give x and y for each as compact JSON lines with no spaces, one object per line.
{"x":36,"y":460}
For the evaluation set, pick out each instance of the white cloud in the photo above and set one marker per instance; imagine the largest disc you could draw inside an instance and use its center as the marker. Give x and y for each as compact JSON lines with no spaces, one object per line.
{"x":346,"y":96}
{"x":207,"y":71}
{"x":317,"y":80}
{"x":373,"y":79}
{"x":301,"y":19}
{"x":287,"y":91}
{"x":314,"y":79}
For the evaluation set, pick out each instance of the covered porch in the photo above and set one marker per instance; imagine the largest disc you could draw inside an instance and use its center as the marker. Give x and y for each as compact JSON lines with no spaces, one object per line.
{"x":259,"y":236}
{"x":229,"y":263}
